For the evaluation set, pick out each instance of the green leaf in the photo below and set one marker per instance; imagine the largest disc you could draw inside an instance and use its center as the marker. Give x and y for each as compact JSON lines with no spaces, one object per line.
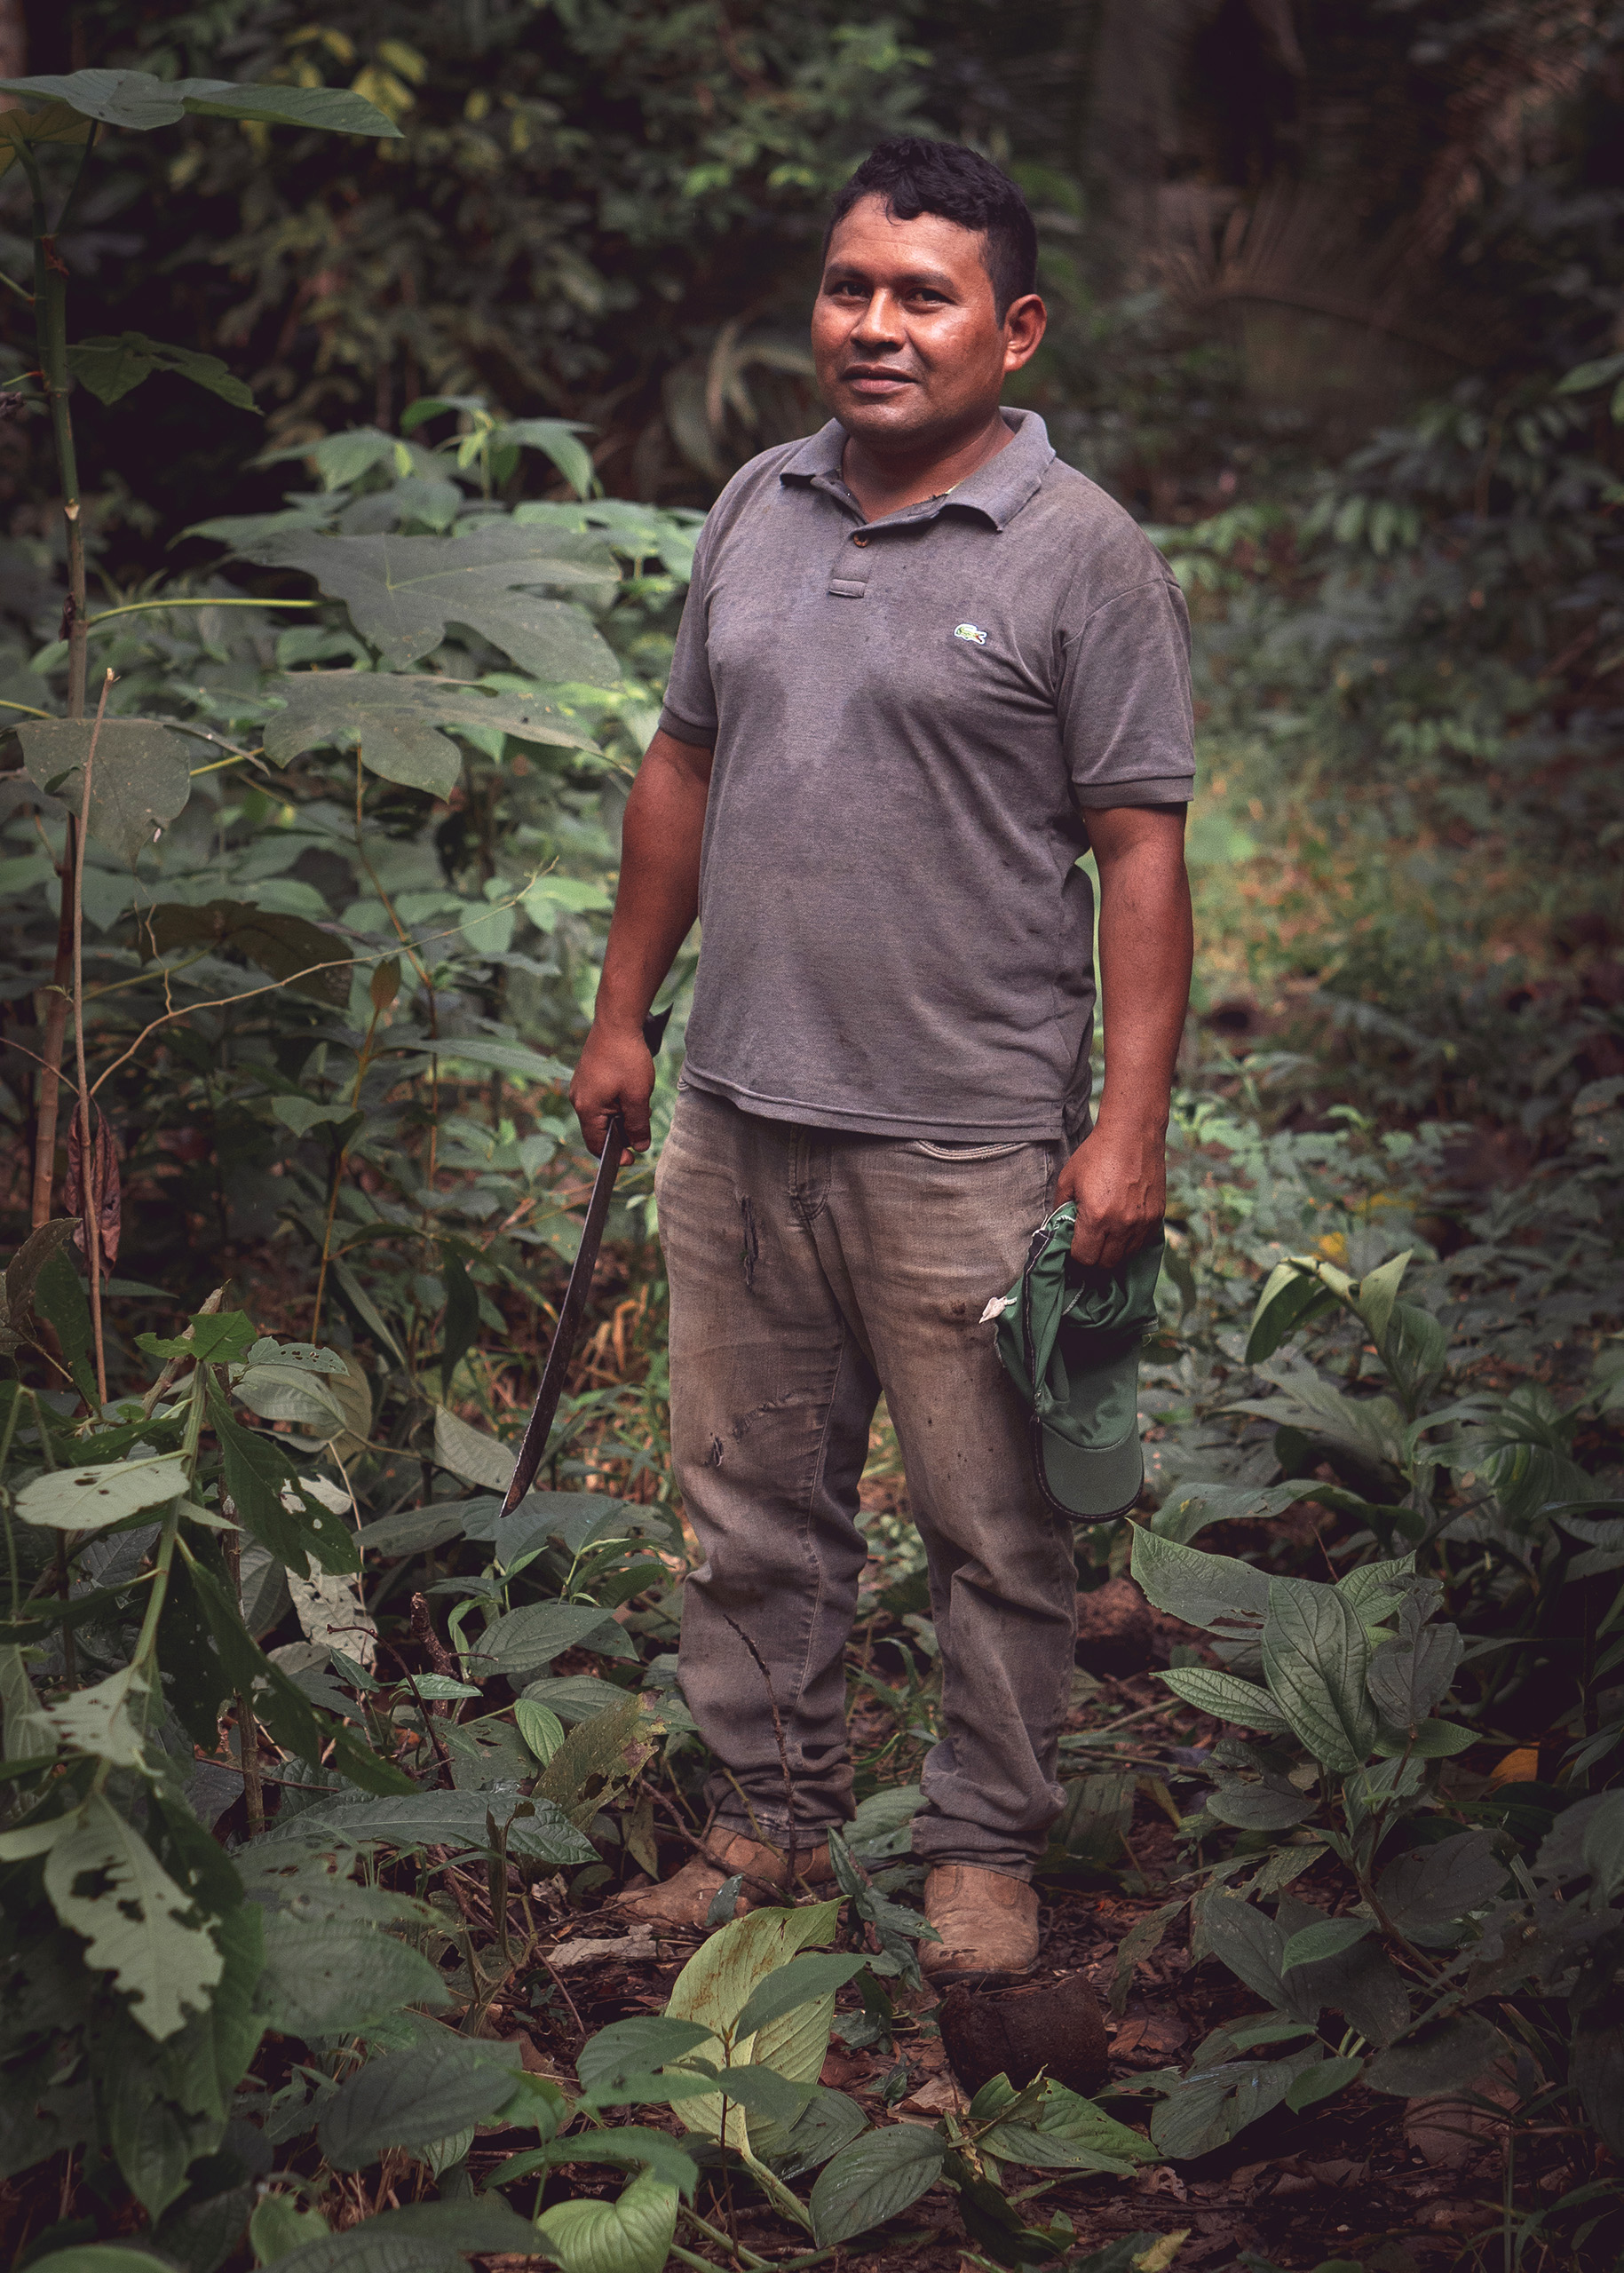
{"x":24,"y":1266}
{"x":1602,"y":1848}
{"x":1210,"y":2107}
{"x":256,"y":1476}
{"x":139,"y":101}
{"x":640,"y":2046}
{"x":873,"y":2179}
{"x":1329,"y":1938}
{"x":280,"y":1392}
{"x":1244,"y":1704}
{"x":110,"y":368}
{"x":106,"y":1884}
{"x":409,"y":2099}
{"x":632,"y":2234}
{"x":477,"y":1458}
{"x":1254,"y":1948}
{"x":1218,"y":1592}
{"x":306,"y":959}
{"x":59,"y":1298}
{"x":401,"y":722}
{"x":799,"y":1983}
{"x":719,"y":1979}
{"x":27,"y":1730}
{"x":1377,"y":1292}
{"x":1595,"y":374}
{"x":1064,"y":2118}
{"x":48,"y":123}
{"x":402,"y":592}
{"x":453,"y":1819}
{"x":1320,"y":2081}
{"x":99,"y":2257}
{"x":1293,"y":1293}
{"x":504,"y":1057}
{"x":336,"y":1977}
{"x":1436,"y":1887}
{"x":462,"y":1326}
{"x":628,"y":2143}
{"x":526,"y":1640}
{"x":541,"y":1730}
{"x":140,"y":780}
{"x":556,"y":439}
{"x":830,"y":2122}
{"x":279,"y":2226}
{"x":1192,"y":1505}
{"x":1315,"y":1659}
{"x":600,"y":1757}
{"x":1409,"y":1675}
{"x":1260,"y":1807}
{"x":1444,"y":2057}
{"x":1142,"y":1940}
{"x":89,"y":1499}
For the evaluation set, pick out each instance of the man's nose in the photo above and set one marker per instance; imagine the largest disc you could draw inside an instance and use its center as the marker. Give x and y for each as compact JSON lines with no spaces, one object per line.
{"x":880,"y":324}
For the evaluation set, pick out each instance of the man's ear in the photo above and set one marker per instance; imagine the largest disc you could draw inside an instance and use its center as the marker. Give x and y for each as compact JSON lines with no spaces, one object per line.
{"x":1024,"y":323}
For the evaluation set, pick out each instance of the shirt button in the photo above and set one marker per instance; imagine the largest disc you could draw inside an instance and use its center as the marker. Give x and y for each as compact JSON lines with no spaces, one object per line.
{"x":859,"y":540}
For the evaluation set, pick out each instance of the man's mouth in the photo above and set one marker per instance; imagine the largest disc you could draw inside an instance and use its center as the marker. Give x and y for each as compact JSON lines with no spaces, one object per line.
{"x":873,"y":378}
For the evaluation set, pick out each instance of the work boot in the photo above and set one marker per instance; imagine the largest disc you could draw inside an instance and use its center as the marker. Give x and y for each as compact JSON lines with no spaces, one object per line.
{"x":988,"y":1924}
{"x":680,"y":1904}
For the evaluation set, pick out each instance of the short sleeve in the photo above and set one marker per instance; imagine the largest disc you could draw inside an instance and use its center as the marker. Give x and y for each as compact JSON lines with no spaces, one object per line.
{"x":1125,"y":721}
{"x":689,"y":711}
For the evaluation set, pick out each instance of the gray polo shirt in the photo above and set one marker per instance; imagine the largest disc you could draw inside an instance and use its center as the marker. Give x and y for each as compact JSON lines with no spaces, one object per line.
{"x":911,"y":718}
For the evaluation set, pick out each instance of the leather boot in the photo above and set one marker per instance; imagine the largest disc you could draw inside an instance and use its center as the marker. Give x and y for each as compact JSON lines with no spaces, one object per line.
{"x":988,"y":1924}
{"x":679,"y":1905}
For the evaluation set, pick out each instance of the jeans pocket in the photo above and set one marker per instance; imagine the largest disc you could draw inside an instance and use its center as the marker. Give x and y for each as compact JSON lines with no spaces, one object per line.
{"x":968,"y":1151}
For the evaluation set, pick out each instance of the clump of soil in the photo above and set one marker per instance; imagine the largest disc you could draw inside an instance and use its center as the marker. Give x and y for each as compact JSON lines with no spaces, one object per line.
{"x":1053,"y":2025}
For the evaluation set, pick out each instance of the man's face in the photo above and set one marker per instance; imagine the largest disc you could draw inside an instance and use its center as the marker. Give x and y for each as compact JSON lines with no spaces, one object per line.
{"x":905,"y":332}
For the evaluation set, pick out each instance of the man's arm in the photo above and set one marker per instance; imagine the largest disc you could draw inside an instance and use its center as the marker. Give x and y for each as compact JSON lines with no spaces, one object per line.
{"x":1118,"y":1176}
{"x":654,"y":910}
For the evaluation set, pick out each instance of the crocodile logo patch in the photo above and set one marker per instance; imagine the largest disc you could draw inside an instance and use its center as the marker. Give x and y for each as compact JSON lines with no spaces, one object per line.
{"x":972,"y":631}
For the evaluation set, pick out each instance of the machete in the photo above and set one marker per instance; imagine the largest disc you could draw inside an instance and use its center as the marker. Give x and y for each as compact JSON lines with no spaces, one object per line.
{"x":539,"y":1427}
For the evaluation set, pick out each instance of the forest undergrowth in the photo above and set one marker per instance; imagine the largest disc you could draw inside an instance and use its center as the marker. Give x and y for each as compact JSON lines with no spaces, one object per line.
{"x":320,"y":1773}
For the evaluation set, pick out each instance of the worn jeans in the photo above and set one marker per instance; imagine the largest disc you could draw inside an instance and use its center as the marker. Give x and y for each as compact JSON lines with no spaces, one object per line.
{"x":810,"y":1272}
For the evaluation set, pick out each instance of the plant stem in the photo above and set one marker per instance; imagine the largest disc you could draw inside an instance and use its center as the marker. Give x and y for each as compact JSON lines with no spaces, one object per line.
{"x":55,"y":1029}
{"x":734,"y":2248}
{"x":90,"y":1190}
{"x":142,"y":607}
{"x":248,"y":1727}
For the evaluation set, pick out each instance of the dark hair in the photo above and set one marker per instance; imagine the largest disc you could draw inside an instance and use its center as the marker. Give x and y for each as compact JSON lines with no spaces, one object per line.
{"x":915,"y":177}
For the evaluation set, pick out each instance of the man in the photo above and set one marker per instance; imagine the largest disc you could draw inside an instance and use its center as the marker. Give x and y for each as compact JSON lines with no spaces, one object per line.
{"x":924,"y":666}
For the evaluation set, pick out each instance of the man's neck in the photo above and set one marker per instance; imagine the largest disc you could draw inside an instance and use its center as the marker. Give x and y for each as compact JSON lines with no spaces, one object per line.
{"x":886,"y":481}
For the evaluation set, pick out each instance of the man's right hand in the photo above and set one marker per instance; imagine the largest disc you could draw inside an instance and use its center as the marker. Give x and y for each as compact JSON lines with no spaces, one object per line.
{"x":616,"y":1074}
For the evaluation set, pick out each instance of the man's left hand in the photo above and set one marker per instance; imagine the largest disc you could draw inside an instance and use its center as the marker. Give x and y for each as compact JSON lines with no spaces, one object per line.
{"x":1120,"y":1183}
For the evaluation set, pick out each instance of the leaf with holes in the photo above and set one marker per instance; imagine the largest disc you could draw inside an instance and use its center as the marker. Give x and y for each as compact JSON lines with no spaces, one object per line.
{"x":599,"y":1758}
{"x":1218,"y":1592}
{"x":89,"y":1499}
{"x":105,"y":1883}
{"x":402,"y":592}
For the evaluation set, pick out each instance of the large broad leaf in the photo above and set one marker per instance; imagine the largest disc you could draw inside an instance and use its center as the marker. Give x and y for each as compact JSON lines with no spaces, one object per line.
{"x":27,"y":1730}
{"x":718,"y":1982}
{"x":1433,"y":1888}
{"x":1315,"y":1658}
{"x":440,"y":2085}
{"x":801,"y":1983}
{"x":89,"y":1499}
{"x":140,"y":780}
{"x":830,"y":2122}
{"x":873,"y":2179}
{"x":1259,"y":1807}
{"x":139,"y":101}
{"x":1372,"y":1429}
{"x":99,"y":2257}
{"x":268,"y":1502}
{"x":306,"y":959}
{"x":1444,"y":2057}
{"x":633,"y":2234}
{"x":402,"y":592}
{"x":105,"y":1883}
{"x":1215,"y":1591}
{"x":334,"y":1976}
{"x":47,"y":122}
{"x":1067,"y":2132}
{"x":453,"y":1819}
{"x":638,"y":2046}
{"x":401,"y":722}
{"x":1242,"y":1703}
{"x":110,"y":368}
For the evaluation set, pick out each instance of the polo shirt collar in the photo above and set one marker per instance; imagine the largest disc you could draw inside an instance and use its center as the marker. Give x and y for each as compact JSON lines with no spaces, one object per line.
{"x":997,"y":490}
